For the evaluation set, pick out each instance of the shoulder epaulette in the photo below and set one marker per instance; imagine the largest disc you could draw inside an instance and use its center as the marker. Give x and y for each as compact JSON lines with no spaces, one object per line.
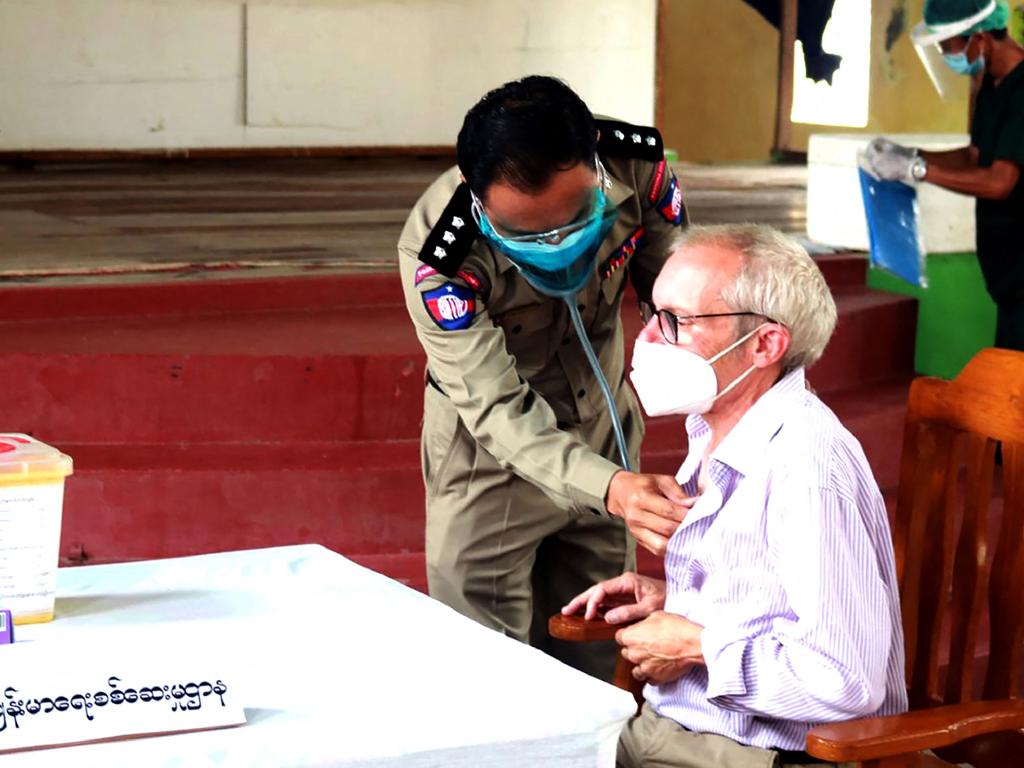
{"x":619,"y":139}
{"x":448,"y":243}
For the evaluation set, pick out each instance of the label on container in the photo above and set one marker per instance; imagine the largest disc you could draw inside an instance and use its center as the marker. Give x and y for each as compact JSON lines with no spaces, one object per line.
{"x":30,"y":517}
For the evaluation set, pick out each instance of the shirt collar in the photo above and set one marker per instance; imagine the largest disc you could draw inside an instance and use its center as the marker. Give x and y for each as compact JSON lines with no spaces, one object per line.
{"x":743,"y":448}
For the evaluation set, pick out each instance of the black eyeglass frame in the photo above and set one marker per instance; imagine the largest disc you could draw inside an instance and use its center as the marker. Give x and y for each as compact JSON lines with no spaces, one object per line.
{"x":668,"y":323}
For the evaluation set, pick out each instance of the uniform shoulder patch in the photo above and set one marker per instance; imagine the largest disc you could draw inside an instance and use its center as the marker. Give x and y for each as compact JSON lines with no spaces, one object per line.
{"x":619,"y":139}
{"x":670,"y":206}
{"x":451,"y":306}
{"x":448,"y":243}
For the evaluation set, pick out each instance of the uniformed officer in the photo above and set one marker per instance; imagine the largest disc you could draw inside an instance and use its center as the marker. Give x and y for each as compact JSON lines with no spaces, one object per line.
{"x":525,"y":501}
{"x":973,"y":40}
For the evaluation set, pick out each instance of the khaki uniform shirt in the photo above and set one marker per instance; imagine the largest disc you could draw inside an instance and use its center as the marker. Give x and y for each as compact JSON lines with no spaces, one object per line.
{"x":509,"y":361}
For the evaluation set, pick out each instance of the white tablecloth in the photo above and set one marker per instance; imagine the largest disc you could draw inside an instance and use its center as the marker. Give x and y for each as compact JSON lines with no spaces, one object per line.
{"x":334,"y":665}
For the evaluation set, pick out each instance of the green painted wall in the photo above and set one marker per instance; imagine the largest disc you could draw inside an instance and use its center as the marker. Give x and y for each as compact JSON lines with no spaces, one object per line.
{"x":956,"y":317}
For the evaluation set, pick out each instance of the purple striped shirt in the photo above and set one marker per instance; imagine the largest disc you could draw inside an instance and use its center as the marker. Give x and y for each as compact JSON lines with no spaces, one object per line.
{"x":786,"y":560}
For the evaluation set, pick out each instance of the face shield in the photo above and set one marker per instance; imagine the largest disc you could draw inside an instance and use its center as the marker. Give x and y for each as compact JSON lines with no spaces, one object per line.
{"x":927,"y":38}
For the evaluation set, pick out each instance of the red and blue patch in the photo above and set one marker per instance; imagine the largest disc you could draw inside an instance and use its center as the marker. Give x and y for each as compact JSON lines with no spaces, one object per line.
{"x":671,"y":204}
{"x":452,"y":306}
{"x":623,"y":253}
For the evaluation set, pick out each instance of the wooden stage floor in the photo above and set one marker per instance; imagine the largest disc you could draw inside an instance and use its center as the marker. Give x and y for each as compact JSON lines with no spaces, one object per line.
{"x":201,"y":217}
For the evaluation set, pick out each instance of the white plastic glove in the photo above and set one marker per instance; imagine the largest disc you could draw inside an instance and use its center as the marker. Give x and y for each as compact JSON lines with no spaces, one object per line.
{"x":891,"y":161}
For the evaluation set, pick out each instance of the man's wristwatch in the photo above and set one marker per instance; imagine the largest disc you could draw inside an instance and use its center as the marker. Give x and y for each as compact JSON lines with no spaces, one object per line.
{"x":918,"y":168}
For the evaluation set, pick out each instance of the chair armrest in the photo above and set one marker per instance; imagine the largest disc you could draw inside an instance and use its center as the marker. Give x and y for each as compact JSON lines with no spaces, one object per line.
{"x":876,"y":737}
{"x":579,"y":630}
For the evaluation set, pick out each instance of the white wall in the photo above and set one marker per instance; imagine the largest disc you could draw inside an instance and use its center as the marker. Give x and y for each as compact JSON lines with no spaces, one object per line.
{"x":171,"y":74}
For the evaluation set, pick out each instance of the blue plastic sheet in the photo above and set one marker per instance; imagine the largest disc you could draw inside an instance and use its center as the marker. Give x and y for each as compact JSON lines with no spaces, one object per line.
{"x":892,"y":214}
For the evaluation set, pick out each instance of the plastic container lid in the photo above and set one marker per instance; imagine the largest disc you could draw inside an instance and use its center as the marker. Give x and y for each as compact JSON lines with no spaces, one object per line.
{"x":24,"y":458}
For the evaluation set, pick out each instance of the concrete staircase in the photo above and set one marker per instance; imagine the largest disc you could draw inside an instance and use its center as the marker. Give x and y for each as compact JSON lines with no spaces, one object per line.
{"x":235,"y":413}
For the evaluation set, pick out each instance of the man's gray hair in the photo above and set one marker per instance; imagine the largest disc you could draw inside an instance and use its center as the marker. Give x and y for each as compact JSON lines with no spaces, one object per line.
{"x":778,"y":280}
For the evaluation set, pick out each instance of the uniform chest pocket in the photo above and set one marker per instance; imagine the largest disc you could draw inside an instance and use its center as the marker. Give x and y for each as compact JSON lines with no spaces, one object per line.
{"x":529,"y":335}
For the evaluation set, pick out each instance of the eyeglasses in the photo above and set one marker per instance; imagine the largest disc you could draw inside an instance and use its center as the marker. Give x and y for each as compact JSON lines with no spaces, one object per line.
{"x":558,"y":234}
{"x":669,"y":323}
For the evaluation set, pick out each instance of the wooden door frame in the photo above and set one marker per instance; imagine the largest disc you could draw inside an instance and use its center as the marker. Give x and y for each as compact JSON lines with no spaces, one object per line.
{"x":784,"y":101}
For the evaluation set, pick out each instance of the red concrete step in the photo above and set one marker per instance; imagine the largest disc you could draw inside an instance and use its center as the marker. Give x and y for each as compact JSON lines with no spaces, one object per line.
{"x":226,"y":414}
{"x":873,"y":341}
{"x":323,"y":374}
{"x":152,"y":501}
{"x":131,"y":502}
{"x":193,"y":397}
{"x":843,"y":269}
{"x":363,"y":499}
{"x":227,"y":294}
{"x":185,"y":296}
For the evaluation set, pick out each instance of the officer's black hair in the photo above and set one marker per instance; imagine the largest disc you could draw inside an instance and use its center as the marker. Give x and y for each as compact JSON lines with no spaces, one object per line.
{"x":523,"y":132}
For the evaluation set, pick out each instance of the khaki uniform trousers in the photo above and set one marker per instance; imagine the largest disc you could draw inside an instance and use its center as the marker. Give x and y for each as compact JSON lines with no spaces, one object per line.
{"x":501,"y":552}
{"x":652,"y":741}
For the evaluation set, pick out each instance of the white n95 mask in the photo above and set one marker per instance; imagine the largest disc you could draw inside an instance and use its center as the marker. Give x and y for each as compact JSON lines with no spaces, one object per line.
{"x":669,"y":379}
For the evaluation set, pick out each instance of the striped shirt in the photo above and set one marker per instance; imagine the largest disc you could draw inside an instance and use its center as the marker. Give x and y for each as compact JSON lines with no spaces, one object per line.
{"x":786,"y":560}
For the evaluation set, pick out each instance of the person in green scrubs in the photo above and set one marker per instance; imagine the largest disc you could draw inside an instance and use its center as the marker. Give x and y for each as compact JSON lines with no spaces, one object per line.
{"x":973,"y":40}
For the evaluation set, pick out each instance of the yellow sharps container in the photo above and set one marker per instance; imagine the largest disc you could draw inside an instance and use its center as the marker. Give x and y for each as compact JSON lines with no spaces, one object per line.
{"x":31,"y":500}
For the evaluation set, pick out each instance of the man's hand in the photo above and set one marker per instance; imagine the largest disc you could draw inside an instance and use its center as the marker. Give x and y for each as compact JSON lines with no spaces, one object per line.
{"x":664,"y":647}
{"x":891,"y":161}
{"x":652,"y":506}
{"x":628,"y":597}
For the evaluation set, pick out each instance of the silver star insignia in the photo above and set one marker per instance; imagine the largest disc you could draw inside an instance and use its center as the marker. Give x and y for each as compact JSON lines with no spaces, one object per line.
{"x":448,"y":237}
{"x":636,"y":138}
{"x":457,"y":222}
{"x":651,"y":141}
{"x":440,"y":252}
{"x":620,"y":135}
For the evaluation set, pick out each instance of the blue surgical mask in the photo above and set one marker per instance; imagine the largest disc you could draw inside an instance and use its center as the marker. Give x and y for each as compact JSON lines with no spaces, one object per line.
{"x":959,"y":63}
{"x":562,"y":268}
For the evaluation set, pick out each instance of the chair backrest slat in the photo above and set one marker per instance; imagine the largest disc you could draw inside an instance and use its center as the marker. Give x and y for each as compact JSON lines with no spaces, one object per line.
{"x":1006,"y":597}
{"x":948,"y":568}
{"x":971,"y":569}
{"x":932,"y":554}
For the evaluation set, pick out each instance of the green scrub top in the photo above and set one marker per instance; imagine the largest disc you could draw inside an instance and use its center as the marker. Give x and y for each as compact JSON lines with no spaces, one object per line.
{"x":997,"y":131}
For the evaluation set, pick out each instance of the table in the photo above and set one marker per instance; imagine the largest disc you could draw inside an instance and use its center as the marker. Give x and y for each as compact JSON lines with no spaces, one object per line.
{"x":338,"y":666}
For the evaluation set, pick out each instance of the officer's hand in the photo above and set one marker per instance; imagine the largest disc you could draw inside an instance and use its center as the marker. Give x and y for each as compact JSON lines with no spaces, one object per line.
{"x":652,"y":506}
{"x":628,"y":597}
{"x":891,"y":161}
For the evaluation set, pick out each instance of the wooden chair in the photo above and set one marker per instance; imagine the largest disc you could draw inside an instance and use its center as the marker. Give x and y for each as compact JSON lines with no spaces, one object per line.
{"x":579,"y":630}
{"x":952,"y":586}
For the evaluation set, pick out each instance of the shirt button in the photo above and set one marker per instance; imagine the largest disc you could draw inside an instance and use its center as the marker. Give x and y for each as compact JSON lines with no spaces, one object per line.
{"x":581,"y":393}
